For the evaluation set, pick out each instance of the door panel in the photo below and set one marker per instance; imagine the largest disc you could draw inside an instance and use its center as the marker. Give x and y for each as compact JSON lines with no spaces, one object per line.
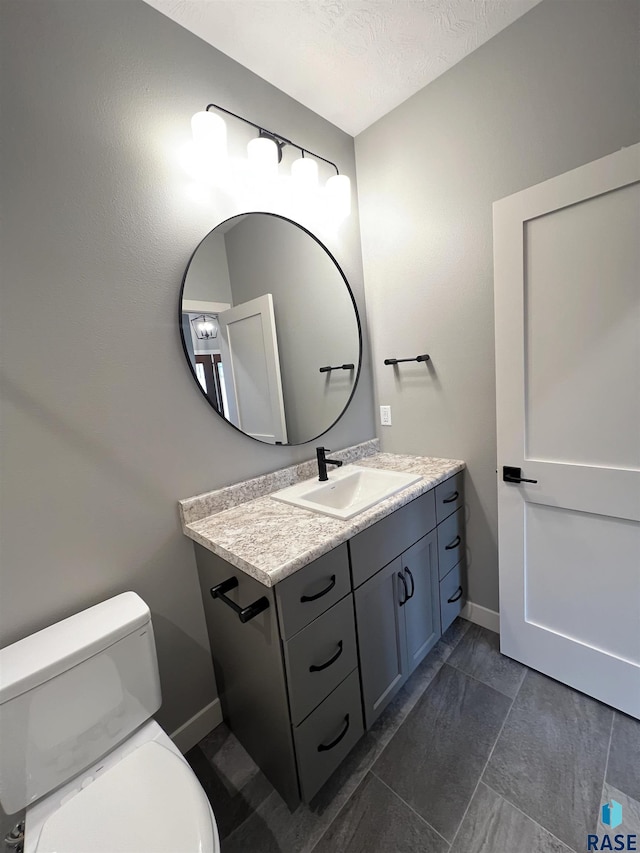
{"x":381,"y":639}
{"x":582,"y":318}
{"x":422,"y":610}
{"x":576,"y":564}
{"x":567,"y":307}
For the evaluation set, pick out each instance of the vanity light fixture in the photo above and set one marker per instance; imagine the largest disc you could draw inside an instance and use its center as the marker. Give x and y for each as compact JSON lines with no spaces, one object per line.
{"x":265,"y":153}
{"x":205,"y":326}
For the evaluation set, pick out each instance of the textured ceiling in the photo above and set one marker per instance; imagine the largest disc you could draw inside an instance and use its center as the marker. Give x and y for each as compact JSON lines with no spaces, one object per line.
{"x":350,"y":61}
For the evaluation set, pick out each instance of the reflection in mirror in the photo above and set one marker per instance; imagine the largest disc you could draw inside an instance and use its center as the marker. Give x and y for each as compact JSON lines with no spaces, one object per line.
{"x":270,"y":328}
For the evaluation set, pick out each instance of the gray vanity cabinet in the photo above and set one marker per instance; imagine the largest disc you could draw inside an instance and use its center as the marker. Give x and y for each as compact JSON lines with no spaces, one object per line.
{"x":298,"y":664}
{"x":250,"y":675}
{"x":288,"y":677}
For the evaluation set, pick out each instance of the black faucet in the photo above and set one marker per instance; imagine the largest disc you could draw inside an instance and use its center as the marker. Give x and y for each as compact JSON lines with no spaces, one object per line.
{"x":323,"y":462}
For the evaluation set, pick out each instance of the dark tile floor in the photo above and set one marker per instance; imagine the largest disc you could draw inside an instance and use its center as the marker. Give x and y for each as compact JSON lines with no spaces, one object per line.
{"x":476,"y":754}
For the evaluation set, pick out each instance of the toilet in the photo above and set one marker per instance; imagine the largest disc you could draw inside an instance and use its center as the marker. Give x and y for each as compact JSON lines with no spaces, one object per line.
{"x":79,"y":748}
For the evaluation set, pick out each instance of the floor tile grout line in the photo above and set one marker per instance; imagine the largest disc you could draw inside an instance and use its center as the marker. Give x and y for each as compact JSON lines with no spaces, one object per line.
{"x":606,"y":764}
{"x":417,"y":814}
{"x":486,"y":683}
{"x":367,"y":769}
{"x":528,"y":816}
{"x":486,"y":764}
{"x":336,"y":816}
{"x":340,"y":810}
{"x":459,"y":640}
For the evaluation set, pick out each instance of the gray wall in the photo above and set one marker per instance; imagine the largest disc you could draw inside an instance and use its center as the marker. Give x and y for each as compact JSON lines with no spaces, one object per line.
{"x":103,"y":426}
{"x":556,"y":89}
{"x":208,"y":277}
{"x":315,"y":320}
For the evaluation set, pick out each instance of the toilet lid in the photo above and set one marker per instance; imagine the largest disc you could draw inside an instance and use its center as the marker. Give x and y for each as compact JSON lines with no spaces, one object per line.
{"x":150,"y":802}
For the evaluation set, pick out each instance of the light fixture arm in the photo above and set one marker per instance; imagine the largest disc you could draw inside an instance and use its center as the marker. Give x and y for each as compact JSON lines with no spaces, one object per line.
{"x":279,"y":140}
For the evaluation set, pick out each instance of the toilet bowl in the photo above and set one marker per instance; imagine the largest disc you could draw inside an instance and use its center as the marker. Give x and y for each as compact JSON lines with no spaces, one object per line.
{"x":78,"y":747}
{"x":141,"y":798}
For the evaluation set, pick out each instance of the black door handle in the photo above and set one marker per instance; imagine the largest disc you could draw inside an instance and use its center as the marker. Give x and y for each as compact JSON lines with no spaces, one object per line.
{"x":322,"y":592}
{"x":514,"y":475}
{"x":453,"y":544}
{"x":454,"y":497}
{"x":319,"y":667}
{"x":325,"y":746}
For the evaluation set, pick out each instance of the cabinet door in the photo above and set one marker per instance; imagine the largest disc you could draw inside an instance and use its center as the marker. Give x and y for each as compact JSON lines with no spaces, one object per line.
{"x":381,"y":639}
{"x":419,"y":565}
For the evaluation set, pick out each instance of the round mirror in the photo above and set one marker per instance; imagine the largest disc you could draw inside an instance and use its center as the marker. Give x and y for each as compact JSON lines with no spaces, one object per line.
{"x":270,"y":328}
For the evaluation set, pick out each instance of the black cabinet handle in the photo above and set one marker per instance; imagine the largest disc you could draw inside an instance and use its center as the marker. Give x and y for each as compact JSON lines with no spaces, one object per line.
{"x":454,"y":497}
{"x":244,"y":613}
{"x":457,"y":595}
{"x":413,"y":583}
{"x":406,"y":589}
{"x":321,"y":666}
{"x":326,"y":746}
{"x":453,"y":544}
{"x":327,"y":589}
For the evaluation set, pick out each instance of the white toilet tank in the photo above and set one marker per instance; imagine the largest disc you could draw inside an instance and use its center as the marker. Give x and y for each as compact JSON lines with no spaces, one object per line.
{"x":71,"y":693}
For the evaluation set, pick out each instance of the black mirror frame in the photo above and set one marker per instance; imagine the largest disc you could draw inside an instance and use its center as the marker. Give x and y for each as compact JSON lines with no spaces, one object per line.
{"x":355,"y":309}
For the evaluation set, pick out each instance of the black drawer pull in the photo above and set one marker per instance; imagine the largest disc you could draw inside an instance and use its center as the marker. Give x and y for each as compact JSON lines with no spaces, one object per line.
{"x":413,"y":583}
{"x":457,"y":595}
{"x":244,"y":613}
{"x":327,"y":589}
{"x":325,"y":746}
{"x":406,"y":589}
{"x":320,"y":667}
{"x":453,"y":544}
{"x":454,"y":497}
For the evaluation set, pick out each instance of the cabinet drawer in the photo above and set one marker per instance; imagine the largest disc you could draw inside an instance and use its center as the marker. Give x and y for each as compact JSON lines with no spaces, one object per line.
{"x":452,"y":595}
{"x":382,"y":542}
{"x":450,"y":542}
{"x":313,"y":589}
{"x":319,"y":657}
{"x":449,"y":496}
{"x":328,"y":735}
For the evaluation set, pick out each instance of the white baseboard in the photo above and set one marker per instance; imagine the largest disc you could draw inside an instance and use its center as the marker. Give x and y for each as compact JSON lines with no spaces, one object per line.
{"x":481,"y":616}
{"x":191,"y":732}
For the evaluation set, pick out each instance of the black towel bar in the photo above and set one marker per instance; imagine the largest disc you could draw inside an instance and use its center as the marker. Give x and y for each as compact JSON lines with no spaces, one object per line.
{"x":328,"y":369}
{"x":244,"y":613}
{"x":401,"y":360}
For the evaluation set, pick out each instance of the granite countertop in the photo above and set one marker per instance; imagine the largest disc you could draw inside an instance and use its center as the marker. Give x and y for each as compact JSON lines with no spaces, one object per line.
{"x":270,"y":540}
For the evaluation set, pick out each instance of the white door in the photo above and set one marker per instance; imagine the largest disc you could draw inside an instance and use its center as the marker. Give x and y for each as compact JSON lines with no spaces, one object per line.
{"x":567,"y":308}
{"x":251,"y":365}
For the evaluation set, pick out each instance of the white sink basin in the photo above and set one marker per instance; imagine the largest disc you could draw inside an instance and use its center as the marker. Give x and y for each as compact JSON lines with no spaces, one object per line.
{"x":347,"y":492}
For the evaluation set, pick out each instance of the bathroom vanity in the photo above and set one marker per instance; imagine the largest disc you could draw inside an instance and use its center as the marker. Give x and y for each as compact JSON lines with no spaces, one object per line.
{"x":315,"y":623}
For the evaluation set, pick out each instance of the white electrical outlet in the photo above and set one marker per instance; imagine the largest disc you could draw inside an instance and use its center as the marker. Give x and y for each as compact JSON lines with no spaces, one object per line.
{"x":385,"y":415}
